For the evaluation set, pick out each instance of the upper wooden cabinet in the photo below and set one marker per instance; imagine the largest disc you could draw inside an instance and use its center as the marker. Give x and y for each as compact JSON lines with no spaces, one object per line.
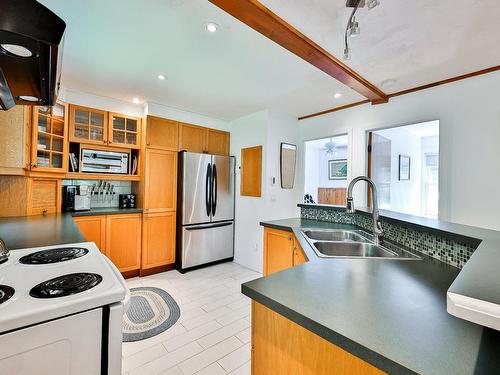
{"x":217,"y":142}
{"x":123,"y":241}
{"x":124,"y":131}
{"x":158,"y":240}
{"x":195,"y":138}
{"x":88,"y":125}
{"x":49,"y":151}
{"x":162,"y":134}
{"x":160,"y":181}
{"x":192,"y":138}
{"x":15,"y":140}
{"x":93,"y":126}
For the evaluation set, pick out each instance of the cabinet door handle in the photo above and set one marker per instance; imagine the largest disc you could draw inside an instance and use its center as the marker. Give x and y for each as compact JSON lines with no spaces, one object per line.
{"x":34,"y":165}
{"x":289,"y":238}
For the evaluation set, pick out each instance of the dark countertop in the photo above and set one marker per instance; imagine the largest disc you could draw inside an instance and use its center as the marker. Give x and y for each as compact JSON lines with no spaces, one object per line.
{"x":107,"y":211}
{"x":390,"y":313}
{"x":47,"y":230}
{"x":40,"y":230}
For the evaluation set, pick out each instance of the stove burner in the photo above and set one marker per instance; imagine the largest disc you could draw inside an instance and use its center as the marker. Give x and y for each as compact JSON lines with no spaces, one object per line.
{"x":54,"y":255}
{"x":65,"y":285}
{"x":5,"y":293}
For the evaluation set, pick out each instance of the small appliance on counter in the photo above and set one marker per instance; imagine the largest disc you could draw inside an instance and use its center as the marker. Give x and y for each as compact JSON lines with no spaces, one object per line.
{"x":82,"y":199}
{"x":126,"y":201}
{"x":68,"y":198}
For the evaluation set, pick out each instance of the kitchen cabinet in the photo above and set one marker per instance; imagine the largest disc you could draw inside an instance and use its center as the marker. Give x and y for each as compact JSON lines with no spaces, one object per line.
{"x":88,"y":125}
{"x":49,"y":150}
{"x":124,"y":131}
{"x":162,"y":134}
{"x":44,"y":196}
{"x":123,"y":241}
{"x":160,"y":181}
{"x":280,"y":346}
{"x":281,"y":251}
{"x":217,"y":142}
{"x":251,"y":171}
{"x":15,"y":140}
{"x":158,"y":240}
{"x":192,"y":138}
{"x":93,"y":229}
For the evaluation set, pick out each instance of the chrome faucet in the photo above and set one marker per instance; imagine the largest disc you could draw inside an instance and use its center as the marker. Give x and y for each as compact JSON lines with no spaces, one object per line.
{"x":378,"y":232}
{"x":4,"y":252}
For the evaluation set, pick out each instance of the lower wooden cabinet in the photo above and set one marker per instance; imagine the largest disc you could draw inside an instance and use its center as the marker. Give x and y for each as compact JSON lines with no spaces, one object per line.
{"x":117,"y":236}
{"x":281,"y":251}
{"x":123,"y":241}
{"x":158,"y":240}
{"x":93,"y":229}
{"x":280,"y":346}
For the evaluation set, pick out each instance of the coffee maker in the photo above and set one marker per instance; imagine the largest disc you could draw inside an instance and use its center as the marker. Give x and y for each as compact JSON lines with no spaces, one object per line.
{"x":76,"y":198}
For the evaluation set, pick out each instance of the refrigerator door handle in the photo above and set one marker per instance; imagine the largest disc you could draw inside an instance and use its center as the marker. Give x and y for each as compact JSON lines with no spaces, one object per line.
{"x":214,"y":189}
{"x":209,"y":226}
{"x":208,"y":189}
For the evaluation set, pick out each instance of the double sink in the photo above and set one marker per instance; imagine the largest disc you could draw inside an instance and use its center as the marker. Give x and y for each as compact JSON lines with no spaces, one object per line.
{"x":339,"y":243}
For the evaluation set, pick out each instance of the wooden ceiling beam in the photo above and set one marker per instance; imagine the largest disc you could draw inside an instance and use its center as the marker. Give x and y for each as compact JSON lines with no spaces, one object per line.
{"x":261,"y":19}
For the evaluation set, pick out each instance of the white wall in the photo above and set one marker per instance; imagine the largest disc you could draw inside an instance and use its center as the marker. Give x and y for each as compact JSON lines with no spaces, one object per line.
{"x":269,"y":129}
{"x":131,"y":109}
{"x":469,"y":115}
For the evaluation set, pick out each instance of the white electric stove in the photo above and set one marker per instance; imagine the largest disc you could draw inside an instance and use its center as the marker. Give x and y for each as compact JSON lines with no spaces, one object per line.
{"x":61,"y":311}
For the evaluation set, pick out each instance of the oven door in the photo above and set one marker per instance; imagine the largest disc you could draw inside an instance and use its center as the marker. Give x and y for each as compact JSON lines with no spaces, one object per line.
{"x":66,"y":346}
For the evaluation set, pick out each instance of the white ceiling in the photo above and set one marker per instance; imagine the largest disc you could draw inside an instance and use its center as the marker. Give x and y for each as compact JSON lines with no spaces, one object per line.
{"x":413,"y":41}
{"x":117,"y":49}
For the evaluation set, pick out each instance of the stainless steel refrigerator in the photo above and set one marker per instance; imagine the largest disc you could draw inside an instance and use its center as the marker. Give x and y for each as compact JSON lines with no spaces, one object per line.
{"x":205,"y":214}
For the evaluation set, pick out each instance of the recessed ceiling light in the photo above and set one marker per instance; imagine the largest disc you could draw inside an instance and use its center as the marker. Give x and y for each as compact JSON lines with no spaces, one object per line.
{"x":161,"y":77}
{"x":136,"y":100}
{"x":211,"y":27}
{"x":337,"y":95}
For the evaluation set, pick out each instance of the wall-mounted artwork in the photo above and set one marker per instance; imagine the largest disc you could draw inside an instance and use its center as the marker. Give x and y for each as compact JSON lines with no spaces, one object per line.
{"x":287,"y":165}
{"x":404,"y":168}
{"x":337,"y":169}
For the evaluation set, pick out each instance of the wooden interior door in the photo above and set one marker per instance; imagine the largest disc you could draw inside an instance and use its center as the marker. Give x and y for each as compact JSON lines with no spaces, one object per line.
{"x":251,"y":171}
{"x":123,"y":241}
{"x":162,"y":134}
{"x":93,"y":229}
{"x":192,"y":138}
{"x":160,"y":181}
{"x":158,"y":240}
{"x":217,"y":142}
{"x":278,"y":250}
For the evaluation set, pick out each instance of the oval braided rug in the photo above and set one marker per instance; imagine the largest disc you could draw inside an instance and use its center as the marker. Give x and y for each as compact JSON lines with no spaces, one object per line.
{"x":151,"y":312}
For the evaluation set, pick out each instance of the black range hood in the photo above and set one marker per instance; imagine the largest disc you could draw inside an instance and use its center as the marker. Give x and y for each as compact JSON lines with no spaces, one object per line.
{"x":30,"y":53}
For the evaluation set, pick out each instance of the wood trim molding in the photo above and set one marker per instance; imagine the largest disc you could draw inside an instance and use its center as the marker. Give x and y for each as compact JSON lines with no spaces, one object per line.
{"x":334,"y":109}
{"x":408,"y":91}
{"x":261,"y":19}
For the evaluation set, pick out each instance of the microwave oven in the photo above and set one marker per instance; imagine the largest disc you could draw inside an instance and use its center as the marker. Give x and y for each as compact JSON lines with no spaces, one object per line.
{"x":97,"y":161}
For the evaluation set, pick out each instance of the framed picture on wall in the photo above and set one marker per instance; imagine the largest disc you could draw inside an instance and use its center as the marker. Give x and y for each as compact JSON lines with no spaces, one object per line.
{"x":337,"y":169}
{"x":404,"y":168}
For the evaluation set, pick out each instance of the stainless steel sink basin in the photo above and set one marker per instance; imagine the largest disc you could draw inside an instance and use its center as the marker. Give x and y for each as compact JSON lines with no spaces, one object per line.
{"x":334,"y":235}
{"x":353,"y":249}
{"x":345,"y":243}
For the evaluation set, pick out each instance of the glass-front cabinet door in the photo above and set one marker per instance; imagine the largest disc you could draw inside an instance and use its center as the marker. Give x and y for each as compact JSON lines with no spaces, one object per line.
{"x":49,"y":143}
{"x":125,"y":131}
{"x":88,"y":125}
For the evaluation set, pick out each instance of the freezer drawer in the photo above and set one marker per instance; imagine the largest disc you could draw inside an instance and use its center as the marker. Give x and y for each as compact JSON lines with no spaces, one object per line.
{"x":206,"y":243}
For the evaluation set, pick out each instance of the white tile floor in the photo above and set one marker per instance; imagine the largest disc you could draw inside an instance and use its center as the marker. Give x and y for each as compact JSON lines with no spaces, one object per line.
{"x":211,"y":337}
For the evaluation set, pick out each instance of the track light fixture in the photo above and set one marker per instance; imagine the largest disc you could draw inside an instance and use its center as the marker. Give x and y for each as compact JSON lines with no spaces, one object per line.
{"x":352,"y":29}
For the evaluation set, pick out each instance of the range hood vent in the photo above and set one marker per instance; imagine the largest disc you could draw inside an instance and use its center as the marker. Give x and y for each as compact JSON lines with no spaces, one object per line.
{"x":30,"y":53}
